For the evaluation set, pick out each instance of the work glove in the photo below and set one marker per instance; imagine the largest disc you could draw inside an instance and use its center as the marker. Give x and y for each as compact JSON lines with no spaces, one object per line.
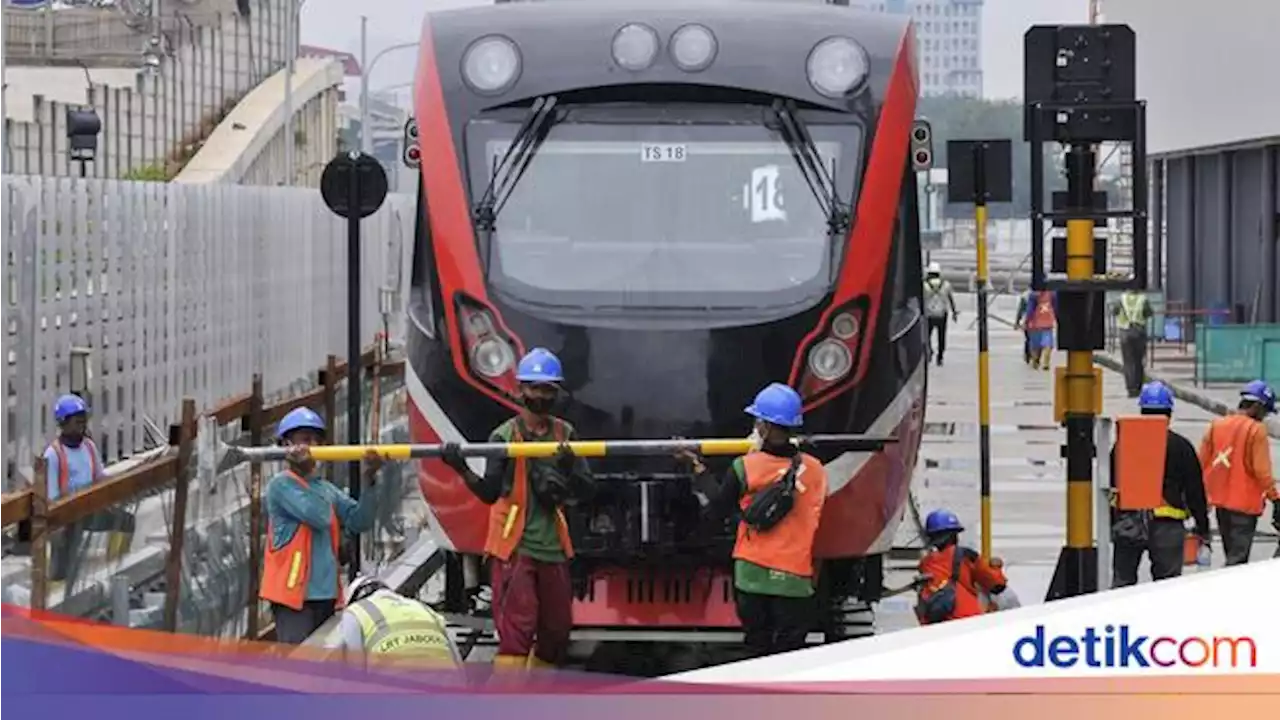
{"x":565,"y":459}
{"x":451,"y":454}
{"x":551,"y":487}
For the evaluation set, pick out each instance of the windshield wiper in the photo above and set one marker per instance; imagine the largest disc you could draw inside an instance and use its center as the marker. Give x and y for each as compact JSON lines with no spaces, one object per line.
{"x":533,"y":131}
{"x":820,"y":180}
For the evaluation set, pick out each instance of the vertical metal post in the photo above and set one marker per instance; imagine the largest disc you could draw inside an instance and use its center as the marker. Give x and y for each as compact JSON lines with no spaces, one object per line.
{"x":1156,"y":270}
{"x":1102,"y":503}
{"x":255,"y":508}
{"x":366,"y":140}
{"x":1079,"y":379}
{"x":173,"y":570}
{"x":984,"y":368}
{"x":40,"y":536}
{"x":353,"y":346}
{"x":290,"y":24}
{"x":120,"y":600}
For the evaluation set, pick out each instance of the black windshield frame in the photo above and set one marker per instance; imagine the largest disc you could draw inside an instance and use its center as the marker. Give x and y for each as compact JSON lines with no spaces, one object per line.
{"x":704,"y":123}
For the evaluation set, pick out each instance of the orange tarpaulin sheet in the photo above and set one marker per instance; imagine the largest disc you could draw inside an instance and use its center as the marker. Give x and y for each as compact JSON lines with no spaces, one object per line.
{"x":1139,"y":471}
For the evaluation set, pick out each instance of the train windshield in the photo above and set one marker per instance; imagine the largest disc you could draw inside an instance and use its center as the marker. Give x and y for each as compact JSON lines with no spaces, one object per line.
{"x":663,"y":216}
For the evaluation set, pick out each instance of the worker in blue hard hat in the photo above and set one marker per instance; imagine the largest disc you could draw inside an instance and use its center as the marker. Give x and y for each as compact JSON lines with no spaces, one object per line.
{"x":780,"y":491}
{"x":1235,"y":455}
{"x":306,"y":517}
{"x":1160,"y":533}
{"x":954,"y":578}
{"x":72,"y":464}
{"x":528,"y":541}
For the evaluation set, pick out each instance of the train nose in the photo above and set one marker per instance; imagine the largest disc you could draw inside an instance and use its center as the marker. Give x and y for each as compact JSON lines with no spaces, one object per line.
{"x":629,"y":384}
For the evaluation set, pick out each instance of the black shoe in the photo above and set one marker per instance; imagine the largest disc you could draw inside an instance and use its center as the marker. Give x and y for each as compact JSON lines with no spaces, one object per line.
{"x":939,"y":361}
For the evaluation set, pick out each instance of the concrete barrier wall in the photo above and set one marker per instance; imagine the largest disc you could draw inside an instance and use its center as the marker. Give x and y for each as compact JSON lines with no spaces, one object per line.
{"x":152,"y":125}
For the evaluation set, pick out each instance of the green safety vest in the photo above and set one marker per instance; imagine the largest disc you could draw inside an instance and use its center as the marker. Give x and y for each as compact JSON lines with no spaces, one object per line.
{"x":395,"y":627}
{"x":1131,"y":305}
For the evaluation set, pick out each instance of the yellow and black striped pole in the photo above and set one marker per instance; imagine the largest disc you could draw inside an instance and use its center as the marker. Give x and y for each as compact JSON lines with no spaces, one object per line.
{"x":233,"y":456}
{"x":984,"y":373}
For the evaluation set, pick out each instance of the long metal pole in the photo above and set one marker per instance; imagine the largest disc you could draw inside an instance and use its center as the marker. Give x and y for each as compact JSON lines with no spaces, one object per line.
{"x":984,"y":366}
{"x":366,"y":141}
{"x":291,"y":24}
{"x":353,"y":348}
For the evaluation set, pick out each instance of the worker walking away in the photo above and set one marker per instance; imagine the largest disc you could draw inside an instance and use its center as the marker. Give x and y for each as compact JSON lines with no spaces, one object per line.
{"x":939,"y":300}
{"x":1236,"y":461}
{"x":306,"y":518}
{"x":528,"y":540}
{"x":1132,"y":312}
{"x":780,"y":491}
{"x":383,"y":630}
{"x":1161,"y":532}
{"x":955,"y":578}
{"x":1024,"y":301}
{"x":1040,"y":319}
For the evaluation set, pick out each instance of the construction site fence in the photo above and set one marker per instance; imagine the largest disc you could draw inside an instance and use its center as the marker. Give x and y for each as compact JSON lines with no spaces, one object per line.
{"x":140,"y":294}
{"x":1237,"y":353}
{"x":110,"y":552}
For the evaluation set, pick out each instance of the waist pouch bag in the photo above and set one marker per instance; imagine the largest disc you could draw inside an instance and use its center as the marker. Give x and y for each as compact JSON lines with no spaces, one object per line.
{"x":1132,"y":527}
{"x":769,"y":506}
{"x":939,"y":605}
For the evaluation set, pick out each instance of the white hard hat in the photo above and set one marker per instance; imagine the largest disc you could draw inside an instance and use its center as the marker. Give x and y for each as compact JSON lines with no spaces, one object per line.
{"x":934,"y":269}
{"x":360,"y":588}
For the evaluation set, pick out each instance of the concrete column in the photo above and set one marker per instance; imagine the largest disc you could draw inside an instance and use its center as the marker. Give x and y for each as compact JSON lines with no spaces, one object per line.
{"x":1155,"y":263}
{"x":1270,"y":303}
{"x":1187,"y":215}
{"x":1222,"y":229}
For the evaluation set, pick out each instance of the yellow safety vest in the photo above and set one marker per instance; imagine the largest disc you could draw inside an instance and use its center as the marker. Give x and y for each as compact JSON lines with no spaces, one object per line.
{"x":396,"y":628}
{"x":1131,"y":305}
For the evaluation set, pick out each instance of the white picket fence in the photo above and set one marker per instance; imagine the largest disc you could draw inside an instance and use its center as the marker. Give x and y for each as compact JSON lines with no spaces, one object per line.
{"x":176,"y":291}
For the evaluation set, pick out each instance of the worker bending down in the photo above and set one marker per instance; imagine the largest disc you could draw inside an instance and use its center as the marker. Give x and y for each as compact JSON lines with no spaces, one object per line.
{"x":528,"y":537}
{"x":1236,"y":460}
{"x":388,"y":631}
{"x":780,"y":492}
{"x":1160,"y":533}
{"x":306,"y":516}
{"x":954,"y":577}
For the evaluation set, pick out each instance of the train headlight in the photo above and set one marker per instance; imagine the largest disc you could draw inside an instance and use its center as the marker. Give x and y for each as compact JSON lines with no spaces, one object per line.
{"x":837,"y":66}
{"x":830,"y":360}
{"x":491,"y":64}
{"x":635,"y":46}
{"x":492,"y":357}
{"x":693,"y":47}
{"x":844,"y":326}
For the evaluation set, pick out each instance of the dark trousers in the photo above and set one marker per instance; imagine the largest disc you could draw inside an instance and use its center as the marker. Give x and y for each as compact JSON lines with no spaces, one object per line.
{"x":1237,"y":531}
{"x":938,"y":324}
{"x":295,"y":626}
{"x":1133,"y":352}
{"x":774,"y":624}
{"x":1026,"y":347}
{"x":532,"y":607}
{"x":1165,"y":540}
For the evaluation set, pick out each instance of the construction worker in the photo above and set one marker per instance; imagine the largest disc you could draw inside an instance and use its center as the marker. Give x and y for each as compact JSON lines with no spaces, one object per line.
{"x":1236,"y":461}
{"x":1160,"y":533}
{"x":938,"y":299}
{"x":528,"y":541}
{"x":954,"y":577}
{"x":774,"y":573}
{"x":1040,"y":318}
{"x":306,"y":517}
{"x":72,"y":463}
{"x":1023,"y":302}
{"x":1132,"y":312}
{"x":383,"y":629}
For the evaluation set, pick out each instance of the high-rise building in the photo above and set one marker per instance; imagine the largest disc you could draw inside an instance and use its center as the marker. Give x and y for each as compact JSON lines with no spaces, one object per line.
{"x":948,"y":39}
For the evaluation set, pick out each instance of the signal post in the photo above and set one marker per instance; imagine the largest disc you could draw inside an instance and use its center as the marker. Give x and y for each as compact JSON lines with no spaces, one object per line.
{"x":1080,"y":91}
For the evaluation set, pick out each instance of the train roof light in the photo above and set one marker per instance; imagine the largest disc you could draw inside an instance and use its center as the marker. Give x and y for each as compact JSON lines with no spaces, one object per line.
{"x":837,"y":66}
{"x":635,"y":46}
{"x":693,"y":47}
{"x":491,"y":64}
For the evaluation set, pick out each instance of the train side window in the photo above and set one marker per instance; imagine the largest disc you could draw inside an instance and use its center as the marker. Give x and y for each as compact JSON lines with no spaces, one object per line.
{"x":908,"y":278}
{"x":421,"y":307}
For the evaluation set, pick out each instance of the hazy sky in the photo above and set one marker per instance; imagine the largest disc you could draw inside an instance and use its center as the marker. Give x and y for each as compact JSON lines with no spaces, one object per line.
{"x":336,"y":24}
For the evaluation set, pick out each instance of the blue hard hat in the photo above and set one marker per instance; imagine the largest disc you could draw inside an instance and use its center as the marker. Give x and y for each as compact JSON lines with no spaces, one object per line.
{"x":69,"y":405}
{"x":1259,"y":392}
{"x":1155,"y":396}
{"x":539,"y":365}
{"x":299,"y":418}
{"x":778,"y":404}
{"x":942,"y":521}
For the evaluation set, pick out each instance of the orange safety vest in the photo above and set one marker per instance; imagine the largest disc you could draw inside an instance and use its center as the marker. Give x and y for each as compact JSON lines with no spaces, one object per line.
{"x":787,"y":546}
{"x":507,"y":517}
{"x":64,"y":471}
{"x":286,"y":570}
{"x":1227,"y":481}
{"x":1042,"y":315}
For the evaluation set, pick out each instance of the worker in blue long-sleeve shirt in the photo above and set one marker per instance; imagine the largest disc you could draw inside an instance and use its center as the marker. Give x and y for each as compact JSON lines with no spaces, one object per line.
{"x":306,"y":515}
{"x":72,"y":464}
